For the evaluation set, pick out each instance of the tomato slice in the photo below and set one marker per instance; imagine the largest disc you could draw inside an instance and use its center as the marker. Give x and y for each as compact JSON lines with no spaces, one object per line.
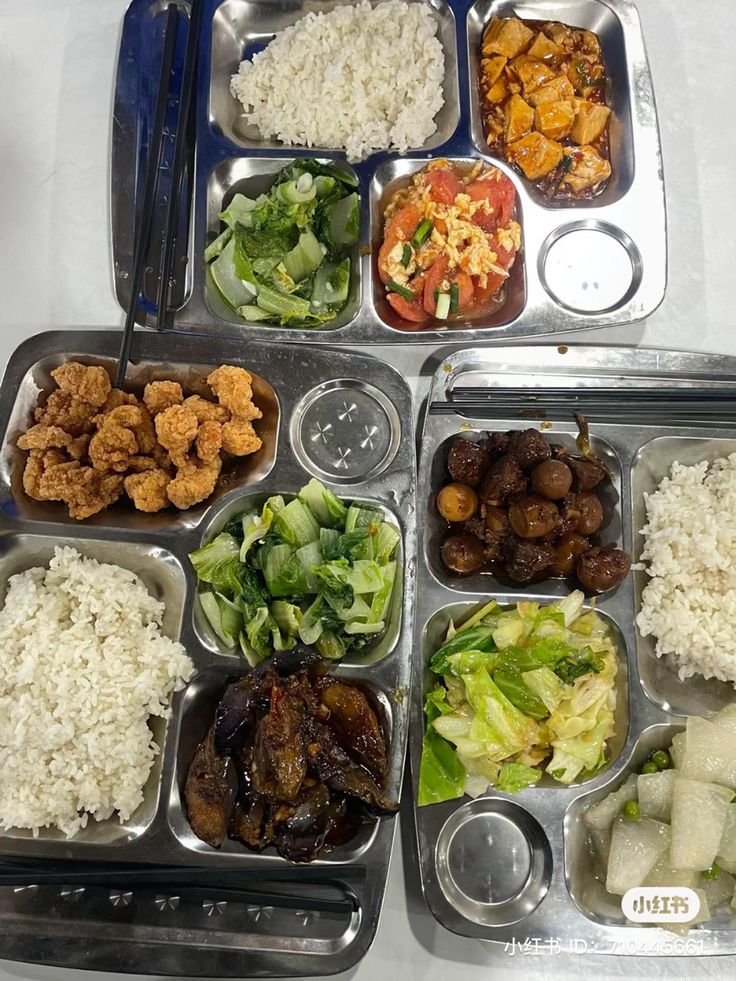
{"x":500,"y":193}
{"x":411,"y":310}
{"x":435,"y":275}
{"x":444,"y":184}
{"x":399,"y":228}
{"x":483,"y":294}
{"x":504,"y":257}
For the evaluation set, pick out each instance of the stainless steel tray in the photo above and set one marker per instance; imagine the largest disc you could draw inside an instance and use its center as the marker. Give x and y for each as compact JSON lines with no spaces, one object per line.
{"x":551,"y":896}
{"x":371,"y":458}
{"x":588,"y":264}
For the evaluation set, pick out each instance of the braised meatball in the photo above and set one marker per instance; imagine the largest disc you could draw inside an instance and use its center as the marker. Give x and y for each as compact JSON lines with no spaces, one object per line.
{"x":475,"y":526}
{"x":495,"y":444}
{"x":552,"y":479}
{"x":529,"y":448}
{"x":532,"y":516}
{"x":588,"y":474}
{"x":523,"y":560}
{"x":591,"y":513}
{"x":467,"y":462}
{"x":600,"y":569}
{"x":463,"y":554}
{"x":457,"y":502}
{"x":568,"y":550}
{"x":504,"y":478}
{"x":497,"y":529}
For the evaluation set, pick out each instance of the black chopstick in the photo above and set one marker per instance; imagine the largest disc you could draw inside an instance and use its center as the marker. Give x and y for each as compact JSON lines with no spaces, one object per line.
{"x":178,"y":170}
{"x":148,"y":204}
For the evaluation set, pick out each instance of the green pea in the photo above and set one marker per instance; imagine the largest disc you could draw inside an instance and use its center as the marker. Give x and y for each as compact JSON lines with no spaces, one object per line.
{"x":650,"y":767}
{"x":661,"y":760}
{"x":631,"y":810}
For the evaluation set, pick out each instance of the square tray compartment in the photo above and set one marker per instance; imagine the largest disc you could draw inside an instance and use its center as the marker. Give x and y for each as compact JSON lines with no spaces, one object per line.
{"x":253,"y":176}
{"x":197,"y":713}
{"x":433,"y":634}
{"x":659,"y":676}
{"x":485,"y":582}
{"x":593,"y":15}
{"x":164,"y":578}
{"x":372,"y":653}
{"x":241,"y":27}
{"x":390,"y":177}
{"x":36,"y":385}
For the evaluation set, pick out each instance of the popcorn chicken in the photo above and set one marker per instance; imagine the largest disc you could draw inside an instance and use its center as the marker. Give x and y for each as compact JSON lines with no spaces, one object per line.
{"x":232,"y":386}
{"x":91,"y":383}
{"x":176,"y":429}
{"x":66,"y":411}
{"x":240,"y":438}
{"x":112,"y":447}
{"x":160,"y":395}
{"x":206,"y":411}
{"x":42,"y":437}
{"x":148,"y":490}
{"x":193,"y":483}
{"x":209,"y":441}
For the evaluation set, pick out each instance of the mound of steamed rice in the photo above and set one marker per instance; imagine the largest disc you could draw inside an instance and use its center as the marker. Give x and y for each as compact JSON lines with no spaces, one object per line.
{"x":689,"y":603}
{"x":358,"y":78}
{"x":83,"y":664}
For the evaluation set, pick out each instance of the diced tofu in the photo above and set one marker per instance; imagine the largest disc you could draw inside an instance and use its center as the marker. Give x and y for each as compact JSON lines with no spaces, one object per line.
{"x":492,"y":68}
{"x":559,"y":89}
{"x":498,"y":91}
{"x":507,"y":36}
{"x":554,"y":119}
{"x":588,"y":168}
{"x":531,"y":72}
{"x":591,"y":118}
{"x":519,"y":118}
{"x":587,"y":42}
{"x":561,"y":35}
{"x":544,"y":48}
{"x":535,"y":154}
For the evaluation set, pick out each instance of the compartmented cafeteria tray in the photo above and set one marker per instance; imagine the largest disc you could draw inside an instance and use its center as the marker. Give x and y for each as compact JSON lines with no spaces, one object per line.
{"x":517,"y":868}
{"x":363,"y":408}
{"x":593,"y":262}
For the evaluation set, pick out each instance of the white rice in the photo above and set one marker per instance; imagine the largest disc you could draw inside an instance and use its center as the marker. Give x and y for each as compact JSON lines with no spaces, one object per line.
{"x":689,"y":604}
{"x":358,"y":78}
{"x":83,"y":663}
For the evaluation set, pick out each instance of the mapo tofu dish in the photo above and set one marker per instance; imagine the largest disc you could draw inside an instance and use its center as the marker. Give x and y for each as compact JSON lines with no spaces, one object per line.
{"x":525,"y":510}
{"x":542,"y":90}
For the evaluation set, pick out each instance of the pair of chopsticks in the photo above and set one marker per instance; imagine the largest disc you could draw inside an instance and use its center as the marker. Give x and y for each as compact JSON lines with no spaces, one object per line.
{"x":154,"y":165}
{"x":225,"y":884}
{"x":646,"y":406}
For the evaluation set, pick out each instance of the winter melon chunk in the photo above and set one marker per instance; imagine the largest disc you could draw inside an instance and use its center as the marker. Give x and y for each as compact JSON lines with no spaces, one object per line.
{"x":710,"y":753}
{"x":726,"y":857}
{"x":699,"y":812}
{"x":601,"y":815}
{"x":655,"y":794}
{"x":636,"y":847}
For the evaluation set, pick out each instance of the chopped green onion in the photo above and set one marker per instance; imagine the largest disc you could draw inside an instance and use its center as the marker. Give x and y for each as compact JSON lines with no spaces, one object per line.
{"x":422,"y":233}
{"x":454,"y":298}
{"x":394,"y":287}
{"x":443,"y":306}
{"x":406,"y":256}
{"x":631,"y":810}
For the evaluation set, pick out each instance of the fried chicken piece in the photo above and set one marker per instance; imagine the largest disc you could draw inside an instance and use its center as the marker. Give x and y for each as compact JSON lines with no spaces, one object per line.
{"x":206,"y":411}
{"x":66,"y":411}
{"x":193,"y":483}
{"x":162,"y":458}
{"x":147,"y":490}
{"x":142,"y":464}
{"x":40,"y":437}
{"x":116,"y":398}
{"x":160,"y":395}
{"x":240,"y":438}
{"x":232,"y":387}
{"x":78,"y":447}
{"x":112,"y":447}
{"x":91,"y":383}
{"x":137,"y":419}
{"x":209,"y":441}
{"x":36,"y":465}
{"x":84,"y":490}
{"x":176,"y":428}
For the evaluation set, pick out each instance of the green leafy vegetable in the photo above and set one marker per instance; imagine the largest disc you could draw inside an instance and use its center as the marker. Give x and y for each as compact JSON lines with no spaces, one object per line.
{"x":514,"y":777}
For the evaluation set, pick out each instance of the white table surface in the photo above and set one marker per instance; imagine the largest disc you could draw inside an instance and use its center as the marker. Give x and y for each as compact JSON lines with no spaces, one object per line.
{"x":57,"y":65}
